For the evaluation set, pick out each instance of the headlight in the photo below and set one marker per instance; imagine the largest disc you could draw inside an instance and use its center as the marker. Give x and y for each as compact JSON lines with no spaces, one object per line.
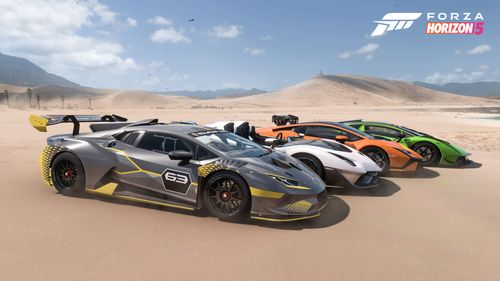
{"x":290,"y":183}
{"x":350,"y":162}
{"x":406,"y":152}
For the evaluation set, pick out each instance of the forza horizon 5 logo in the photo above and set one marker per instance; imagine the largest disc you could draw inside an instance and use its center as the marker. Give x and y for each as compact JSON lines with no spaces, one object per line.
{"x":437,"y":23}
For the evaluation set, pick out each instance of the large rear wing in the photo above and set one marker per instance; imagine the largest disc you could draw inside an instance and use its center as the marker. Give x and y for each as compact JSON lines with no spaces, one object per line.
{"x":282,"y":120}
{"x":41,"y":122}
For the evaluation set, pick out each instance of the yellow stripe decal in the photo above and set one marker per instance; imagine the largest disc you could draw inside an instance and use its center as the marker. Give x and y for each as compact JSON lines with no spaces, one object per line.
{"x":134,"y":199}
{"x":257,"y":192}
{"x":139,"y":169}
{"x":285,"y":220}
{"x":298,"y":187}
{"x":109,"y":189}
{"x":106,"y":189}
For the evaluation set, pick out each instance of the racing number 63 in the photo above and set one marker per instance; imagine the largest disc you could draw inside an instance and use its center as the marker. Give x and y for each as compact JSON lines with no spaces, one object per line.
{"x":182,"y":179}
{"x":177,"y":181}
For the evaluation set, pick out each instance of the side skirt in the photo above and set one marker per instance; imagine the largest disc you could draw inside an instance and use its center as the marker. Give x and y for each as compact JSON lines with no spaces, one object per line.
{"x":110,"y":191}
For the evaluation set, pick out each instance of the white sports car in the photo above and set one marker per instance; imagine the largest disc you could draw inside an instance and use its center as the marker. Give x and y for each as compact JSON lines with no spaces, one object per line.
{"x":337,"y":164}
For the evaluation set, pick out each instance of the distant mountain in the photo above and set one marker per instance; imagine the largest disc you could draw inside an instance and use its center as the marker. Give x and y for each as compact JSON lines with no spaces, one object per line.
{"x":476,"y":89}
{"x":22,"y":72}
{"x":222,"y":93}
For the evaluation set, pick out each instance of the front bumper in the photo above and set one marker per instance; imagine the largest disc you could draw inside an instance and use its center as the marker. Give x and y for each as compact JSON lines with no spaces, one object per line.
{"x":412,"y":165}
{"x":289,"y":207}
{"x":335,"y":178}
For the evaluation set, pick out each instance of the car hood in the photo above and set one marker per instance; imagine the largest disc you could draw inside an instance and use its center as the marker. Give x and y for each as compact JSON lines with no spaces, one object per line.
{"x":280,"y":164}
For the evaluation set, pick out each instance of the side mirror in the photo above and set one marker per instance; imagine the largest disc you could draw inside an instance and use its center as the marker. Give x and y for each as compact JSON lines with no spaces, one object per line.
{"x":341,"y":138}
{"x":182,"y":155}
{"x":301,"y":135}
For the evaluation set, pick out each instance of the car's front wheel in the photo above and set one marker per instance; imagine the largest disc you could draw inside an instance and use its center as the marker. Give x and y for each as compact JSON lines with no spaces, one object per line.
{"x":226,"y":196}
{"x":379,"y":157}
{"x":428,"y":151}
{"x":68,"y":175}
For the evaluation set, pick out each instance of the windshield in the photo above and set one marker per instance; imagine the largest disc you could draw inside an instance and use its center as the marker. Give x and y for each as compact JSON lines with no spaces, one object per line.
{"x":232,"y":145}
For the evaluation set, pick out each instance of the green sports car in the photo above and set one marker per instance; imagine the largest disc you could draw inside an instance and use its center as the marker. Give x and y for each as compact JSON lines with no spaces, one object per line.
{"x":434,"y":151}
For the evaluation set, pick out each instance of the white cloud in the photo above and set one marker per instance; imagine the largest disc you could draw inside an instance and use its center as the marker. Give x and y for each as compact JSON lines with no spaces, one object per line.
{"x":178,"y":77}
{"x":155,"y":64}
{"x":366,"y":50}
{"x":169,"y":35}
{"x":226,"y":31}
{"x":483,"y":66}
{"x":481,"y":49}
{"x":267,"y":37}
{"x":456,"y":76}
{"x":458,"y":69}
{"x":131,"y":22}
{"x":47,"y":32}
{"x":103,"y":11}
{"x":254,"y":51}
{"x":159,"y":20}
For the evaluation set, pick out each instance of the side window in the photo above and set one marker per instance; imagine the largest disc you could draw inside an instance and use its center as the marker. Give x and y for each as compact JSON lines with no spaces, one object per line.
{"x":128,"y":137}
{"x":163,"y":143}
{"x":203,"y":154}
{"x":383,"y":131}
{"x":300,"y":129}
{"x":323,"y":132}
{"x":329,"y":133}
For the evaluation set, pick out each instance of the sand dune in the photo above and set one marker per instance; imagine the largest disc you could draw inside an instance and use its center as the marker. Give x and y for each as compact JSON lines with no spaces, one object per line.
{"x":332,"y":90}
{"x":142,"y":99}
{"x":327,"y":90}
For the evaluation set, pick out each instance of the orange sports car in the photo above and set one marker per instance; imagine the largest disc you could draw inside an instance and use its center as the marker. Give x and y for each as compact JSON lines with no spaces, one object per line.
{"x":388,"y":155}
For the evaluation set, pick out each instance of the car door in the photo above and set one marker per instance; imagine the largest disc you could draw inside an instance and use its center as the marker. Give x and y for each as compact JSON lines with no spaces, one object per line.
{"x":148,"y":166}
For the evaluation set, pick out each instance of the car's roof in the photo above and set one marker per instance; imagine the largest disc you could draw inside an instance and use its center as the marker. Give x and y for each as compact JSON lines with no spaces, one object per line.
{"x":330,"y":123}
{"x":174,"y":128}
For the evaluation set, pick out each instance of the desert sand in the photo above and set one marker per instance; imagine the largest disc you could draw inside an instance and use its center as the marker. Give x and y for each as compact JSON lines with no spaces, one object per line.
{"x":444,"y":225}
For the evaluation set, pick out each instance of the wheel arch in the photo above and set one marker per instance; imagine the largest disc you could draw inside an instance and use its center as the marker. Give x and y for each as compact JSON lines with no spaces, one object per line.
{"x":314,"y":157}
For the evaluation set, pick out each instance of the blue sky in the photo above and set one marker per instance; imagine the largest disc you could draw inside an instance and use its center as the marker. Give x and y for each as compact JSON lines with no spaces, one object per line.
{"x":263,"y":44}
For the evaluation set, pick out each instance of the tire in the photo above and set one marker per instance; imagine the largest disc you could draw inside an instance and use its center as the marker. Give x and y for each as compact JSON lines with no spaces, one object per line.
{"x":226,"y":196}
{"x":428,"y":151}
{"x":312,"y":162}
{"x":380,"y":158}
{"x":68,"y":175}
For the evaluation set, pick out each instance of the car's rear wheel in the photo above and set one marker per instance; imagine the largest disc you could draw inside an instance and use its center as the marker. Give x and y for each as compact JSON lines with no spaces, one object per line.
{"x":68,"y":175}
{"x":311,"y":162}
{"x":226,"y":196}
{"x":379,"y":157}
{"x":428,"y":151}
